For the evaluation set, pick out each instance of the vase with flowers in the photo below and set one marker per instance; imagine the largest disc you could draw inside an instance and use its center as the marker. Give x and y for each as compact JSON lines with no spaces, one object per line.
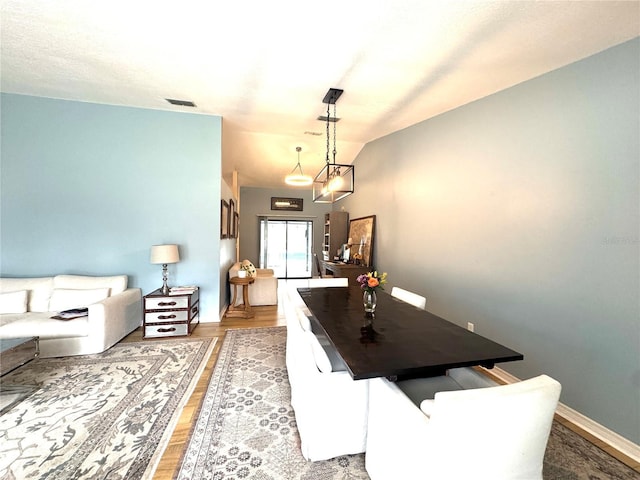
{"x":370,"y":282}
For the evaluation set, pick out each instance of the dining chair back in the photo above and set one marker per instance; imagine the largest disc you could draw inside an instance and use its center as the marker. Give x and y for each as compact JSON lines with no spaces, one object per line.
{"x":409,"y":297}
{"x":321,"y":274}
{"x":328,"y":282}
{"x":451,"y":436}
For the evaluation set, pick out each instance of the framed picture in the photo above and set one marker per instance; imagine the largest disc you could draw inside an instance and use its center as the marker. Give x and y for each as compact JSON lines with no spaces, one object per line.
{"x":232,"y":211}
{"x":285,"y":203}
{"x":361,"y":233}
{"x":235,"y":222}
{"x":224,"y":219}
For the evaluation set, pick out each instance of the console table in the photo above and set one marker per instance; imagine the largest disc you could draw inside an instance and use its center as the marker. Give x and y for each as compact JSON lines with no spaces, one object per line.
{"x":348,"y":270}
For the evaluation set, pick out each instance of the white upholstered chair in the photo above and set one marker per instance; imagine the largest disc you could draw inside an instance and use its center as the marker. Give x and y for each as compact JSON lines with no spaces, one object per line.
{"x":495,"y":433}
{"x":328,"y":282}
{"x":330,"y":407}
{"x":409,"y":297}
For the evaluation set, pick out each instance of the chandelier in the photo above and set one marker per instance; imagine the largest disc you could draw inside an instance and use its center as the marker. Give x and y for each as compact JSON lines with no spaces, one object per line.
{"x":335,"y":181}
{"x":298,"y":179}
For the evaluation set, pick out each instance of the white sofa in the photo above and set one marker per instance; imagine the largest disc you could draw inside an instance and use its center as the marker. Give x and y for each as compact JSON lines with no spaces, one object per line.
{"x":27,"y":305}
{"x":331,"y":408}
{"x":263,"y":291}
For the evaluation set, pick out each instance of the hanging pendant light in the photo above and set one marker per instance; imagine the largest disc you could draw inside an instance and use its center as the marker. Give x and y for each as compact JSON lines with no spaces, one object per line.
{"x":335,"y":181}
{"x":298,"y":179}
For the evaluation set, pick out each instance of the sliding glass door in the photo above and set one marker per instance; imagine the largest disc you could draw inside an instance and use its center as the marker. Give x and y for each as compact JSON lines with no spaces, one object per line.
{"x":285,"y":246}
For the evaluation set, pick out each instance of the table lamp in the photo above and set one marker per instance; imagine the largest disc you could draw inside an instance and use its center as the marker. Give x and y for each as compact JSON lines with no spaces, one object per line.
{"x":164,"y":254}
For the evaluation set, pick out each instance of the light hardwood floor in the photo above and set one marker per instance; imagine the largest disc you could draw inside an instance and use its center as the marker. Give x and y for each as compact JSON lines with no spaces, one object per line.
{"x":264,"y":317}
{"x":170,"y":461}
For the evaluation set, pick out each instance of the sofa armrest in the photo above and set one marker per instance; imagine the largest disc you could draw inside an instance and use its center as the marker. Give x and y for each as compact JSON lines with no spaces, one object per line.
{"x":265,"y":272}
{"x":116,"y":316}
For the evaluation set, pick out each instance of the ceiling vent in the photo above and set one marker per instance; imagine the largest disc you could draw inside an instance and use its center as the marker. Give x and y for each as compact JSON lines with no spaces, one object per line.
{"x":182,"y":103}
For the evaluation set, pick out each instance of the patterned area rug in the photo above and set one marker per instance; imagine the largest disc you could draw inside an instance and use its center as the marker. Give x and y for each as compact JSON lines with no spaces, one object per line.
{"x":104,"y":416}
{"x":246,"y":427}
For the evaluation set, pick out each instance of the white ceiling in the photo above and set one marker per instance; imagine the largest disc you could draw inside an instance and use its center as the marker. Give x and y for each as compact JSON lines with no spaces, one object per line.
{"x":266,"y":66}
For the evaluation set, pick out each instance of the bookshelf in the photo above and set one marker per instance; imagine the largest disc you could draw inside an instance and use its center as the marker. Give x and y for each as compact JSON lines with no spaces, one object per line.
{"x":336,"y":229}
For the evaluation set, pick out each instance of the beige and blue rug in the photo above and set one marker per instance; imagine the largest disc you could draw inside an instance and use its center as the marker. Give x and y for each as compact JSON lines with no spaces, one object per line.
{"x":105,"y":416}
{"x":246,"y":427}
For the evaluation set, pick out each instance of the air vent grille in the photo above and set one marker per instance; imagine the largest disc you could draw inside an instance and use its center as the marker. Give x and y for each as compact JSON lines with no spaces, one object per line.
{"x":182,"y":103}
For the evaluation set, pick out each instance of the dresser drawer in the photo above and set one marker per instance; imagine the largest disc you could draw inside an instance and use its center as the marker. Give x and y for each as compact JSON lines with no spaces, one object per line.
{"x":169,"y":316}
{"x":168,"y":330}
{"x":166,"y":303}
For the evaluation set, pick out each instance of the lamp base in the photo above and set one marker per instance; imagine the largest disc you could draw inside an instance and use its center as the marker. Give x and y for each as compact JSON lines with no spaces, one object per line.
{"x":165,"y":287}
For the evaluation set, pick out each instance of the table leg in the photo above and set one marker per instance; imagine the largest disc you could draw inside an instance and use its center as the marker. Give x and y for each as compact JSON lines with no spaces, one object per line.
{"x":235,"y":296}
{"x":245,"y":298}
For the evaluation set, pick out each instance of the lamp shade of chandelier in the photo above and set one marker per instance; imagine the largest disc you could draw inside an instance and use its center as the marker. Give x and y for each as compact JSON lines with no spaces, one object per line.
{"x":298,"y":179}
{"x":335,"y":181}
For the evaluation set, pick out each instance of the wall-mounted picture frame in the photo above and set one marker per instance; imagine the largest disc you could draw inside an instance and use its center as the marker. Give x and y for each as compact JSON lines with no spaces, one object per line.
{"x":224,"y":219}
{"x":362,"y":233}
{"x":235,"y":222}
{"x":287,"y":204}
{"x":232,"y":211}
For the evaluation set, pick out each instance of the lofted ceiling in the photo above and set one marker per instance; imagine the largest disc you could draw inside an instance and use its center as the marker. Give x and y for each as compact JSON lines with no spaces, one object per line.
{"x":266,"y":66}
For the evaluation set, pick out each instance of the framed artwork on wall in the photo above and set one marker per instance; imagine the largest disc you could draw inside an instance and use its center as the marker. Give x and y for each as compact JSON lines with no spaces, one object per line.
{"x":361,"y":233}
{"x":287,"y":204}
{"x":235,"y":221}
{"x":232,"y":211}
{"x":224,"y":219}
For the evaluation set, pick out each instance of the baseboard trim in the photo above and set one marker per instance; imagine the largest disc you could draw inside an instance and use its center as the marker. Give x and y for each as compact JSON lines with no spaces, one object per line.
{"x":602,"y":433}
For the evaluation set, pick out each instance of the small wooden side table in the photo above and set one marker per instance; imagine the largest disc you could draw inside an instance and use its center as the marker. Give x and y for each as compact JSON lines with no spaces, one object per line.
{"x":243,"y":310}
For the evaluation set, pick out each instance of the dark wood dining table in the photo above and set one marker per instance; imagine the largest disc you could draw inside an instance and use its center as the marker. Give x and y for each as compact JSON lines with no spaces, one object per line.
{"x":400,"y":341}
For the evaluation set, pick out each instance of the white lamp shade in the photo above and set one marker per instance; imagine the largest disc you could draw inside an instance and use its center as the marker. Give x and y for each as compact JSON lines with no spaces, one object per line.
{"x":165,"y":254}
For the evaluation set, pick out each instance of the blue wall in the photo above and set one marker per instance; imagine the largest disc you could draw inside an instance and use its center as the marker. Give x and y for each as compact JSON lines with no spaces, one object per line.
{"x":88,"y":188}
{"x":520,"y":213}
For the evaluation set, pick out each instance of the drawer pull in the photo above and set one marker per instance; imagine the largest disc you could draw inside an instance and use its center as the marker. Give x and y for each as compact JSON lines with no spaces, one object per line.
{"x":165,"y":317}
{"x":194,"y":309}
{"x":167,"y":304}
{"x":165,"y":330}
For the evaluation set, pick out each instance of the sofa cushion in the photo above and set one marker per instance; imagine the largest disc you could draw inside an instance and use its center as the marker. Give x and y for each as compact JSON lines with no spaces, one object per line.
{"x":264,"y":272}
{"x":32,"y":324}
{"x":116,"y":284}
{"x":64,"y":299}
{"x":13,"y":302}
{"x":39,"y":291}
